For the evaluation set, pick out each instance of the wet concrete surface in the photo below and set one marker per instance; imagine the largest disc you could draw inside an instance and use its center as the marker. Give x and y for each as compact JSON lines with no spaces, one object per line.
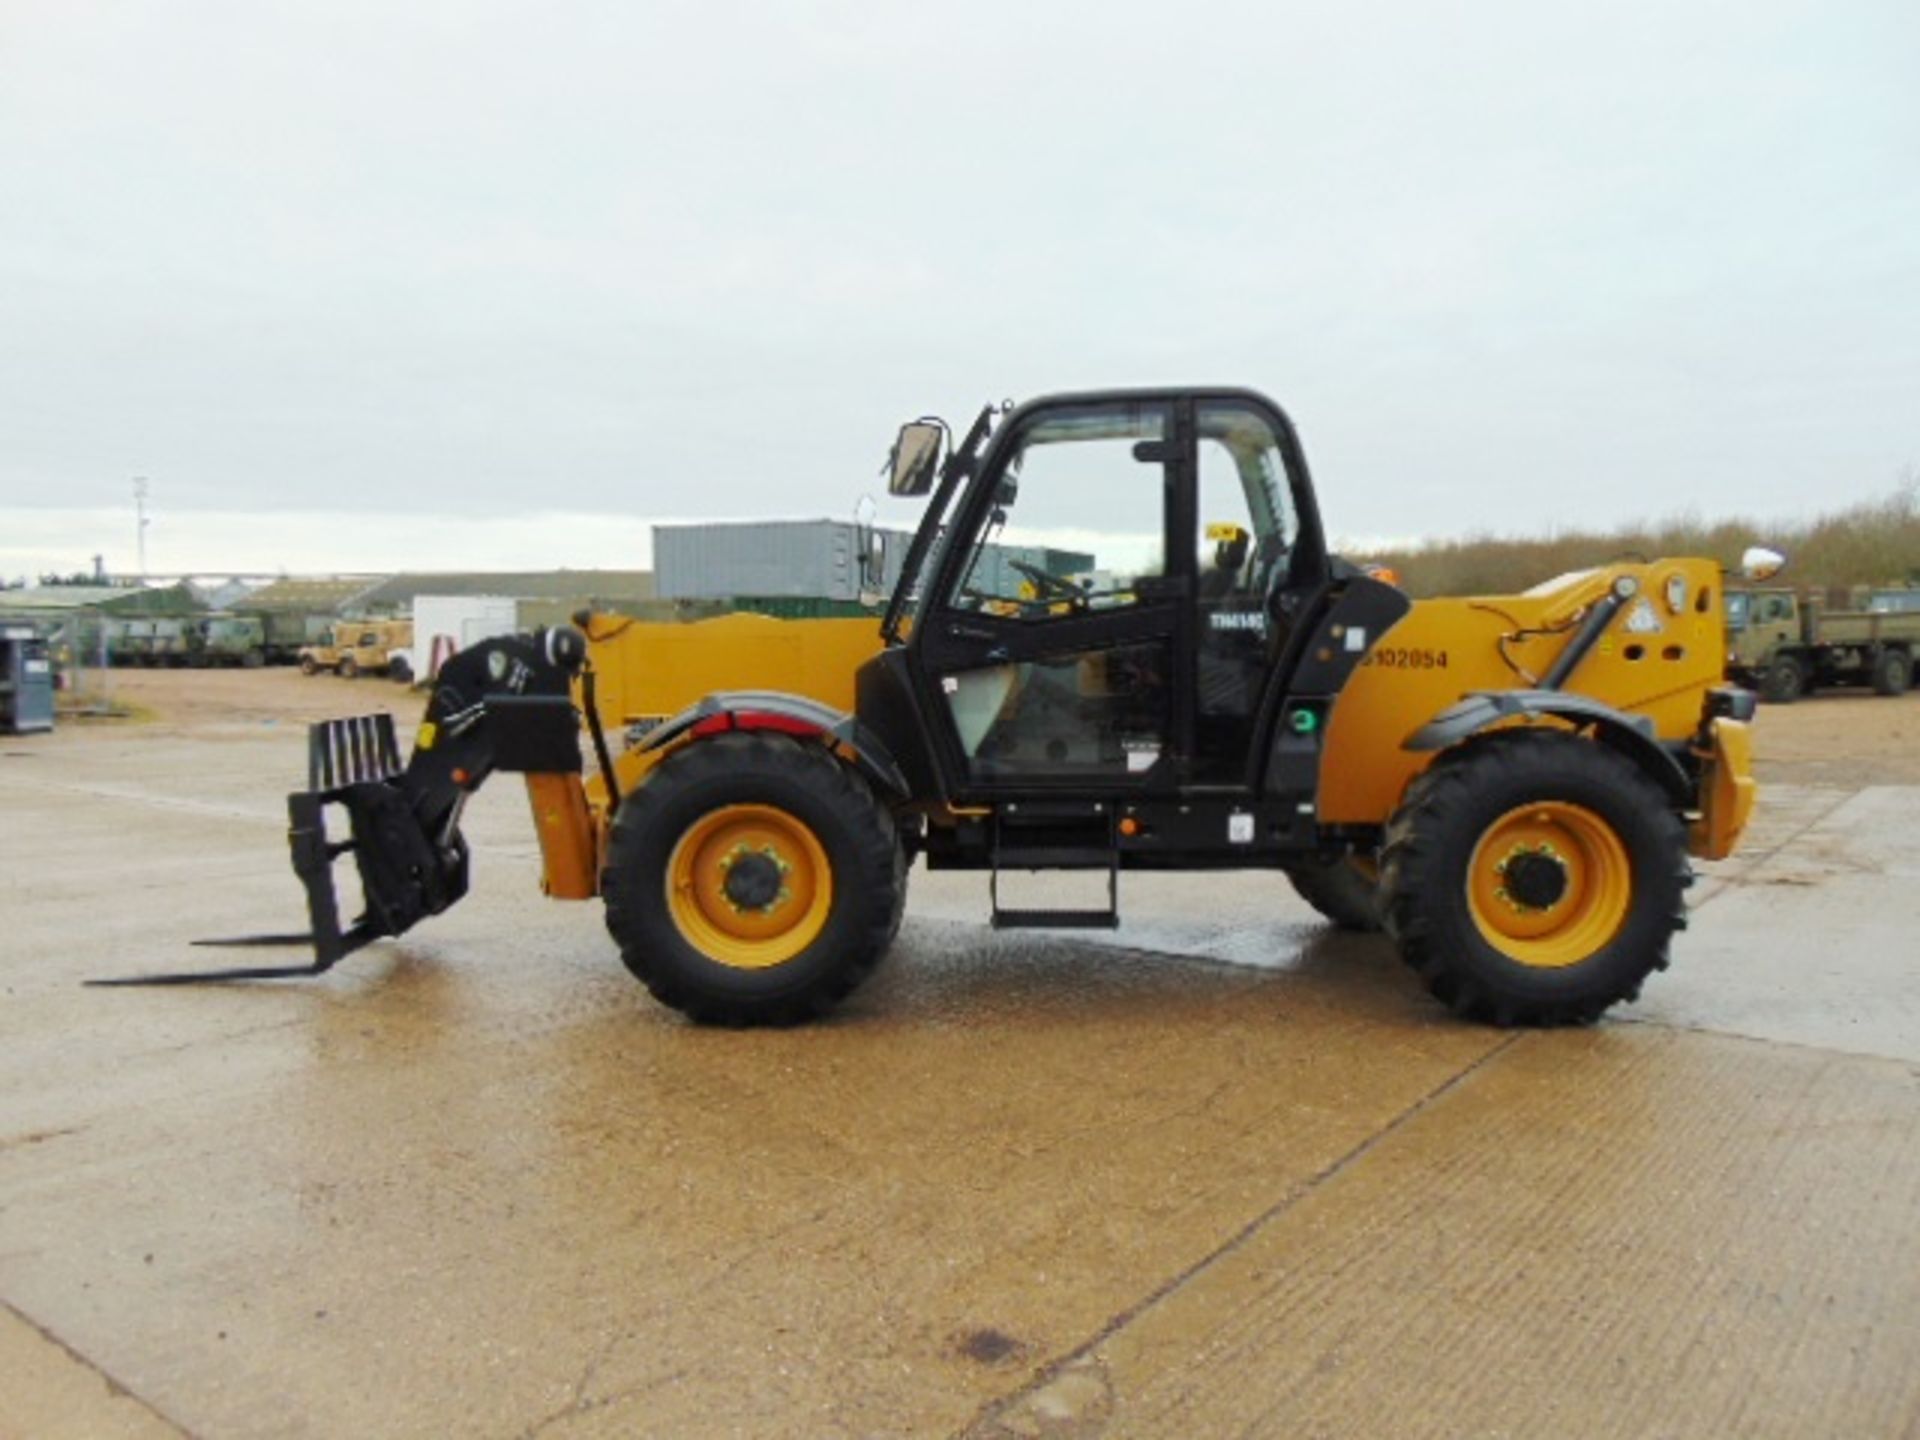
{"x":1223,"y":1172}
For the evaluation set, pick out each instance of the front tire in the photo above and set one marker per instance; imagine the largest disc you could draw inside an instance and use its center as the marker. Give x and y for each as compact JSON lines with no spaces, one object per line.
{"x":1892,"y":673}
{"x":753,"y":880}
{"x":1535,"y":878}
{"x":1784,"y":682}
{"x":348,"y":668}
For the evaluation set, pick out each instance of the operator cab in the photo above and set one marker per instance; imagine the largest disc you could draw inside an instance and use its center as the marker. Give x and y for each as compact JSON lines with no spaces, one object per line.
{"x":1107,"y":597}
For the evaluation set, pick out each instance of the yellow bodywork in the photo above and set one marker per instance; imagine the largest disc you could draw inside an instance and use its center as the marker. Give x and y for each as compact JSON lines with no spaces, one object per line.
{"x":647,"y":671}
{"x":1727,"y":791}
{"x":1658,"y":659}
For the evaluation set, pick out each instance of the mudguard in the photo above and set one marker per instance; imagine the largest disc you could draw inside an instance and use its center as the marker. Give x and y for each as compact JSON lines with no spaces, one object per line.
{"x":1631,"y":734}
{"x":789,"y":715}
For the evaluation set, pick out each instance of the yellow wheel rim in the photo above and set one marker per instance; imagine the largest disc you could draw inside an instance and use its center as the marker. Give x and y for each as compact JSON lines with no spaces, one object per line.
{"x":749,"y":886}
{"x":1549,"y":884}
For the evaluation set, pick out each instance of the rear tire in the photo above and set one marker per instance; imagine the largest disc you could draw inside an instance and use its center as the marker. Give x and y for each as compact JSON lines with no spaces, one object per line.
{"x":715,"y":956}
{"x":1341,"y":891}
{"x":348,"y":668}
{"x":1535,"y":878}
{"x":400,"y":671}
{"x":1892,"y":672}
{"x":308,"y":665}
{"x":1785,"y":681}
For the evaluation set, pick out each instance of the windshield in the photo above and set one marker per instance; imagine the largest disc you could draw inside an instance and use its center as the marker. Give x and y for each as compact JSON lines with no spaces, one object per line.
{"x":1077,"y":519}
{"x":907,"y":597}
{"x":1737,"y":611}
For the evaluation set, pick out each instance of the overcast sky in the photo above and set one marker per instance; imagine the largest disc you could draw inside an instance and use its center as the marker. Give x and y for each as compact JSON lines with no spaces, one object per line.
{"x":505,"y":282}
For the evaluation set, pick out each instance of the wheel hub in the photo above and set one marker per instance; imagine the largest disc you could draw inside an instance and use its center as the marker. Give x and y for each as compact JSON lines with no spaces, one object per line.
{"x":1533,"y":878}
{"x":754,"y":880}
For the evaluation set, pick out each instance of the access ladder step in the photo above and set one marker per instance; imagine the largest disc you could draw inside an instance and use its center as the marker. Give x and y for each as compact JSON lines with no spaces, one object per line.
{"x":1055,"y":920}
{"x":1051,"y":836}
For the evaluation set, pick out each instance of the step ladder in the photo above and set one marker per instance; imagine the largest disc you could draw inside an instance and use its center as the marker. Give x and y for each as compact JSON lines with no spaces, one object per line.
{"x":1055,"y":835}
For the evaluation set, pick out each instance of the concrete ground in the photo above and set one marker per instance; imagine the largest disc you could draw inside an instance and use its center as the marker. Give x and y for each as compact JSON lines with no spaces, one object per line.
{"x":1227,"y":1172}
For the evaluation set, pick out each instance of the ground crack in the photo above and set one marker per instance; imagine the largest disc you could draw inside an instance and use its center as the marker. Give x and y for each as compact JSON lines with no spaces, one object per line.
{"x":1083,"y":1358}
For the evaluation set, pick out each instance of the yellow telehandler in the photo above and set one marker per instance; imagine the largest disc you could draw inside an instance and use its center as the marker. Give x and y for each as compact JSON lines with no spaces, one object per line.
{"x":1510,"y":786}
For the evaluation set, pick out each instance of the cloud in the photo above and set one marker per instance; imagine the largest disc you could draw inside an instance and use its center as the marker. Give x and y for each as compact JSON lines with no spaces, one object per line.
{"x":1508,"y":267}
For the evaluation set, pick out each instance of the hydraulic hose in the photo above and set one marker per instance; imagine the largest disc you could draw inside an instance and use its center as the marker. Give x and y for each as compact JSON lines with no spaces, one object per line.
{"x":1598,"y":618}
{"x":599,"y":734}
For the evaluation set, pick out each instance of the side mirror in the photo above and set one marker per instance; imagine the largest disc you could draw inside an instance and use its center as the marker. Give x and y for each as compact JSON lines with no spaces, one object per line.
{"x":1760,"y":563}
{"x":915,"y":458}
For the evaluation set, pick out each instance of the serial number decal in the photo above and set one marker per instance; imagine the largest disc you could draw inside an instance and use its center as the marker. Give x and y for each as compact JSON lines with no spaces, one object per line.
{"x":1399,"y":658}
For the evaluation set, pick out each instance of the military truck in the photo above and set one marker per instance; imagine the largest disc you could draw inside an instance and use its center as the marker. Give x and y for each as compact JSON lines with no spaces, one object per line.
{"x":1785,"y":644}
{"x":147,"y":641}
{"x":285,"y":633}
{"x":358,"y":647}
{"x":227,"y":640}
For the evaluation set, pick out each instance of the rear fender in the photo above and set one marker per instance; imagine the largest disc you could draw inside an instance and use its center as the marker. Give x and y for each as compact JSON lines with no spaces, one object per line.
{"x":784,"y":714}
{"x":1632,"y":735}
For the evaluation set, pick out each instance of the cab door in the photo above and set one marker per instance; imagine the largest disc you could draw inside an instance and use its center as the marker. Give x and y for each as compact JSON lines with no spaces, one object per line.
{"x":1260,"y":566}
{"x":1061,"y":614}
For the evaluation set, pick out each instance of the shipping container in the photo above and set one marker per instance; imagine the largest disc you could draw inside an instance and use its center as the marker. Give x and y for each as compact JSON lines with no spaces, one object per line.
{"x":776,"y":559}
{"x":995,"y":573}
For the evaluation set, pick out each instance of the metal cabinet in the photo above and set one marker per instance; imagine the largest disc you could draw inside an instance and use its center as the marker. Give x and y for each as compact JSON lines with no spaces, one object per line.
{"x":26,"y":681}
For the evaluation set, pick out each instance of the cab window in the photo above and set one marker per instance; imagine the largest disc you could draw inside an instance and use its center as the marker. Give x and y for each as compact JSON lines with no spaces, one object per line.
{"x":1245,"y":558}
{"x":1077,"y":521}
{"x":1246,"y":524}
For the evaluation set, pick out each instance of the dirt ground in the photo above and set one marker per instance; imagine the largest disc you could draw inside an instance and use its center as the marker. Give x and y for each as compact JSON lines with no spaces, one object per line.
{"x":1225,"y":1171}
{"x":228,"y":702}
{"x":1841,"y":737}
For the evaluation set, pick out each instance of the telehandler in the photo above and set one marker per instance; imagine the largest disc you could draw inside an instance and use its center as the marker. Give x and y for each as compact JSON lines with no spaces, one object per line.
{"x":1510,"y":786}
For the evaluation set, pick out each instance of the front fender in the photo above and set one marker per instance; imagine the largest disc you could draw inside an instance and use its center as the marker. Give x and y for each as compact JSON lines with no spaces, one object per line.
{"x":785,"y":714}
{"x":1631,"y":734}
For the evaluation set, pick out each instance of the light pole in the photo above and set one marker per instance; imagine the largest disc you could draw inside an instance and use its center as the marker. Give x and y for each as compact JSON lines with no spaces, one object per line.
{"x":140,"y":520}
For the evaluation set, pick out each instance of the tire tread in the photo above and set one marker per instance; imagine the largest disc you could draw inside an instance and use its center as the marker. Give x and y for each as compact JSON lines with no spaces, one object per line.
{"x":1416,"y":842}
{"x":631,"y":914}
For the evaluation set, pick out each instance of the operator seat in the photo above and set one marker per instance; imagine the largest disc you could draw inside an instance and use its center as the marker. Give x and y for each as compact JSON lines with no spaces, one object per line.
{"x":1229,"y":661}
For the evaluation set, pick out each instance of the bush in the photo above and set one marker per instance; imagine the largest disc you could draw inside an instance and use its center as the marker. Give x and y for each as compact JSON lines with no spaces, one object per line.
{"x":1874,"y":543}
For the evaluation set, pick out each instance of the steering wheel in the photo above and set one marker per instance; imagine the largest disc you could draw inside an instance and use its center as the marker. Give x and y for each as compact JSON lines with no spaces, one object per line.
{"x":1050,"y":586}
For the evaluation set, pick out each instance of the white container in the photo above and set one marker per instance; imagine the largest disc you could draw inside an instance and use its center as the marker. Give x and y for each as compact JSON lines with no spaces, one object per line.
{"x":443,"y":625}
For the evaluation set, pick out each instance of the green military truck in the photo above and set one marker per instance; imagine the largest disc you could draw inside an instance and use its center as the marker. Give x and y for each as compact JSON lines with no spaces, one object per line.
{"x":285,"y":633}
{"x":227,"y":640}
{"x":1784,"y":644}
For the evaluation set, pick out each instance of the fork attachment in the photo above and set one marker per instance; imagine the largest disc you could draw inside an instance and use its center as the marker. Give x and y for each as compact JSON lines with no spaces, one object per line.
{"x":406,"y":873}
{"x":503,"y":705}
{"x":412,"y":860}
